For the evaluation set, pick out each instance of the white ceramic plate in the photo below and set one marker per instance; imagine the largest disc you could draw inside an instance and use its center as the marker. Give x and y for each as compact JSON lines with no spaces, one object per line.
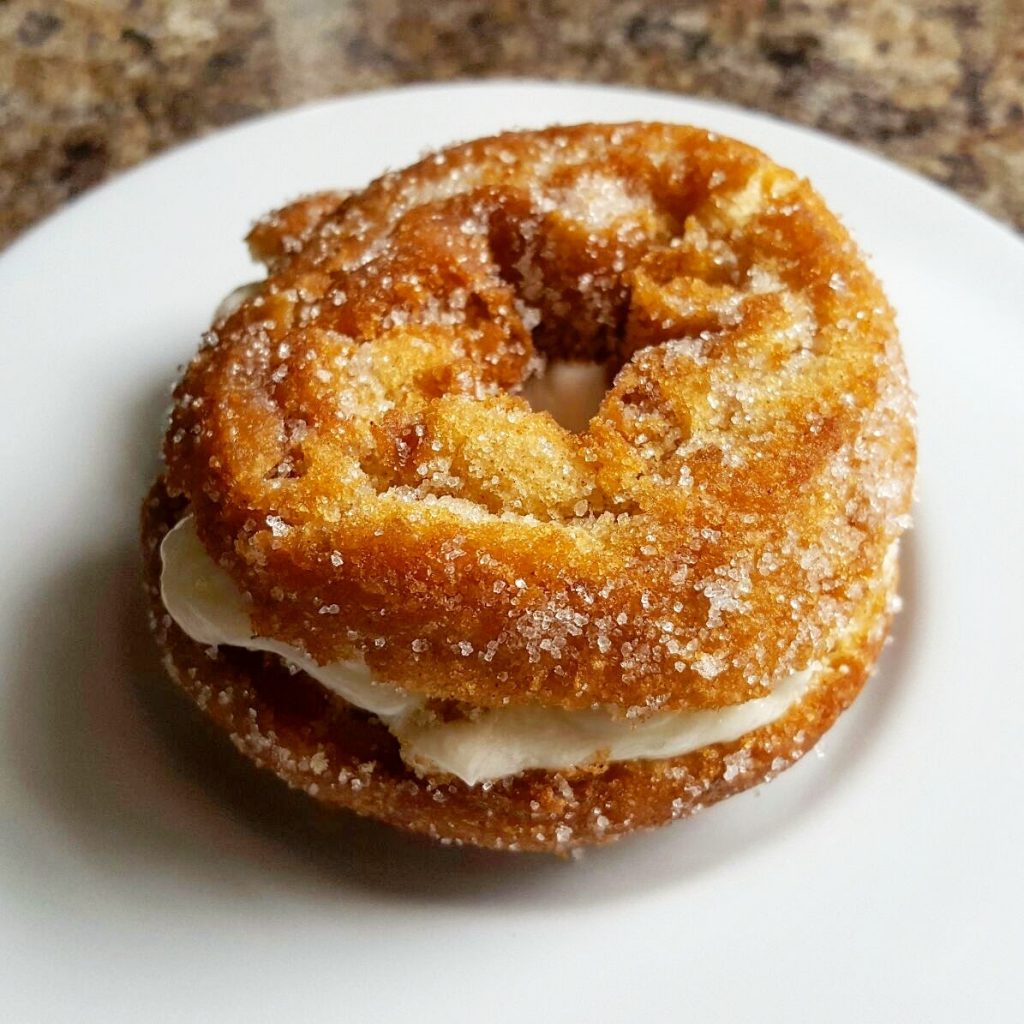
{"x":146,"y":873}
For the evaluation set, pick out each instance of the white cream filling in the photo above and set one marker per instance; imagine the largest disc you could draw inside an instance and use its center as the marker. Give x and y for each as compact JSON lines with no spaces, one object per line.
{"x":207,"y":604}
{"x":492,"y":744}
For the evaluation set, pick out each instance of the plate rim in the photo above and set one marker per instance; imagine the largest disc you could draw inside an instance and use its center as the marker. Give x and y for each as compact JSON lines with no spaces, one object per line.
{"x":315,"y":105}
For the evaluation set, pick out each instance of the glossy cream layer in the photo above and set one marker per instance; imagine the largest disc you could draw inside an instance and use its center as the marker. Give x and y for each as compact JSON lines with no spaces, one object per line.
{"x":490,"y":744}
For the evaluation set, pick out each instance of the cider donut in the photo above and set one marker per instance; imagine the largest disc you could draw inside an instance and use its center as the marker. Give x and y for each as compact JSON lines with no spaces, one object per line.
{"x":463,"y":586}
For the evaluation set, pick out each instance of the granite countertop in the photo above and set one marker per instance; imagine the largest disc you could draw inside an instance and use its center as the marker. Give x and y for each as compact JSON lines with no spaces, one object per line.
{"x":89,"y":89}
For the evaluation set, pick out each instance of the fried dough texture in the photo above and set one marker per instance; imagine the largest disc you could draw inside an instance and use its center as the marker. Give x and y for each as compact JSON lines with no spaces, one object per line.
{"x":356,"y":445}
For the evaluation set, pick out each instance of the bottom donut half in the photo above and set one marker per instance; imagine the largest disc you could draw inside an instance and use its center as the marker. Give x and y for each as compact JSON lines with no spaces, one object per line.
{"x":315,"y":741}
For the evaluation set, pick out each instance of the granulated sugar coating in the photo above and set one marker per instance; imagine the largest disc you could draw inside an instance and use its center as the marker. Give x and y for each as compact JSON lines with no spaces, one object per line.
{"x":356,"y":446}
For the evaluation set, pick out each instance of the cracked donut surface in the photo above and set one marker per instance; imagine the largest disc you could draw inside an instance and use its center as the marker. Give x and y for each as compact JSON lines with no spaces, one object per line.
{"x":355,"y":447}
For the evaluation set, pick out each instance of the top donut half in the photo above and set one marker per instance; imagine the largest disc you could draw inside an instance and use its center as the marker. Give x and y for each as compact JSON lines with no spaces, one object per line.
{"x":357,"y":452}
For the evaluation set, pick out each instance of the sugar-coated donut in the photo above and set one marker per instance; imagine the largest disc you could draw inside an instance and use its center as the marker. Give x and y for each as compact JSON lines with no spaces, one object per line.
{"x":355,"y":451}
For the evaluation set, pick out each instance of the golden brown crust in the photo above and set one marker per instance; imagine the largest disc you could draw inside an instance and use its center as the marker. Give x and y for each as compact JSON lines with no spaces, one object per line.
{"x":354,"y":443}
{"x":283,"y":233}
{"x":353,"y":436}
{"x":315,"y":742}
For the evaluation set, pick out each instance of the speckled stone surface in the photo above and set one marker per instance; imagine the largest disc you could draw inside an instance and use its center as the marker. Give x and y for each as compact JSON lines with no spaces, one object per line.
{"x":87,"y":89}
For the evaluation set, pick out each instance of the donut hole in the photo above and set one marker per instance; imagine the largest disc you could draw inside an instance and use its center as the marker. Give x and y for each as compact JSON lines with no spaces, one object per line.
{"x":571,"y":391}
